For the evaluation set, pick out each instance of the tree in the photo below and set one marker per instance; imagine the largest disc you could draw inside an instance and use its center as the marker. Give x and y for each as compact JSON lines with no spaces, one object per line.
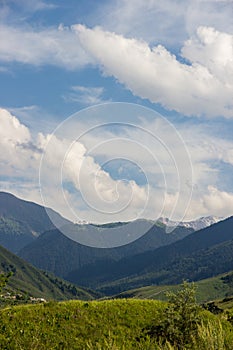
{"x":179,"y":321}
{"x":4,"y":277}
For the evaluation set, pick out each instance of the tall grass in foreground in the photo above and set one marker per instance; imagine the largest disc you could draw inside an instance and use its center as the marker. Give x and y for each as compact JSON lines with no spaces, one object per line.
{"x":120,"y":324}
{"x":211,"y":336}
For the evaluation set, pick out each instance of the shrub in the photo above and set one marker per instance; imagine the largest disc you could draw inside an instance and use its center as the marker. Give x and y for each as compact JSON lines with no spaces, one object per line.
{"x":179,"y":321}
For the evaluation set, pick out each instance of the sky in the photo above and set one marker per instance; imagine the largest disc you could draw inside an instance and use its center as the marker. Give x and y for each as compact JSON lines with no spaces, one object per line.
{"x":118,"y":110}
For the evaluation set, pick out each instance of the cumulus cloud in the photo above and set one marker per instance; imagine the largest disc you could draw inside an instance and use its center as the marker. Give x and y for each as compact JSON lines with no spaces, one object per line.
{"x":214,"y":50}
{"x":157,"y":75}
{"x":151,"y":72}
{"x":57,"y":46}
{"x":218,"y":202}
{"x":103,"y":191}
{"x":68,"y":163}
{"x":213,"y":202}
{"x":11,"y":129}
{"x":65,"y":162}
{"x":76,"y":185}
{"x":12,"y":136}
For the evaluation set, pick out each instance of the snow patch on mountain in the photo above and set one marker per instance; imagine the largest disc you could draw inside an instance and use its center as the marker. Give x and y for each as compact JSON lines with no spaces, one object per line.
{"x":196,"y":225}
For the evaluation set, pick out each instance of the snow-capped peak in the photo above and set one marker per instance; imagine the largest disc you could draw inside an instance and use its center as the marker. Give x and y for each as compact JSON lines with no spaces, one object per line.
{"x":196,"y":225}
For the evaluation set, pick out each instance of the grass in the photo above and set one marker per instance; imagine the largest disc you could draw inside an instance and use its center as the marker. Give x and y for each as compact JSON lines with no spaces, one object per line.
{"x":207,"y":289}
{"x":100,"y":325}
{"x":75,"y":324}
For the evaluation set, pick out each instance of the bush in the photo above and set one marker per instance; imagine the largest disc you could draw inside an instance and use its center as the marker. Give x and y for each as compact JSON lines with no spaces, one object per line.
{"x":179,"y":321}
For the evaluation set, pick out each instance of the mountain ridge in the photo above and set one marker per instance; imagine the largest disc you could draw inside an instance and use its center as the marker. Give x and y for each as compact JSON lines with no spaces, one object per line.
{"x":23,"y":221}
{"x":161,"y":261}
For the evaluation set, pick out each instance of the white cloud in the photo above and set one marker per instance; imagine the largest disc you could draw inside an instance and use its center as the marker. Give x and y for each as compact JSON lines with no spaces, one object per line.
{"x":210,"y":148}
{"x":157,"y":75}
{"x":85,"y":95}
{"x":213,"y":202}
{"x":149,"y":72}
{"x":203,"y":151}
{"x":211,"y":13}
{"x":207,"y":153}
{"x":35,"y":5}
{"x":169,"y":22}
{"x":13,"y":136}
{"x":11,"y":129}
{"x":218,"y":202}
{"x":153,"y":21}
{"x":18,"y":11}
{"x":68,"y":163}
{"x":36,"y":118}
{"x":56,"y":46}
{"x":20,"y":160}
{"x":214,"y":50}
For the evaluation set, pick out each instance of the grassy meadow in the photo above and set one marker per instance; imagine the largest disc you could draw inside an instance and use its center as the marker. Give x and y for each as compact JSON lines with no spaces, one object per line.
{"x":109,"y":325}
{"x":218,"y":287}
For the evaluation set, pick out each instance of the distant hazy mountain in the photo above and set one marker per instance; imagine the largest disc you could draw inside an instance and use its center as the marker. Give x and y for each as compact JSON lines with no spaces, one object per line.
{"x":145,"y":260}
{"x":202,"y":254}
{"x":22,"y":221}
{"x":53,"y":251}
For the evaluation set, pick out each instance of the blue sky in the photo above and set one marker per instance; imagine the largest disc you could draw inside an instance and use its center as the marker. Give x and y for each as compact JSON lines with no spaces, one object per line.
{"x":58,"y":58}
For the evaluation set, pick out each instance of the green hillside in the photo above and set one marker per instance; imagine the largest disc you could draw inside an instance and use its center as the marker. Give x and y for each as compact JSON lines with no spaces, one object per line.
{"x":219,"y":287}
{"x":28,"y":280}
{"x":106,"y":325}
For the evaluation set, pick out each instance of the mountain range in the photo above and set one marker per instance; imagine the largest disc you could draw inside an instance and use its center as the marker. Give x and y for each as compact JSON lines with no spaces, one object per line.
{"x":155,"y":258}
{"x":21,"y":222}
{"x":202,"y":254}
